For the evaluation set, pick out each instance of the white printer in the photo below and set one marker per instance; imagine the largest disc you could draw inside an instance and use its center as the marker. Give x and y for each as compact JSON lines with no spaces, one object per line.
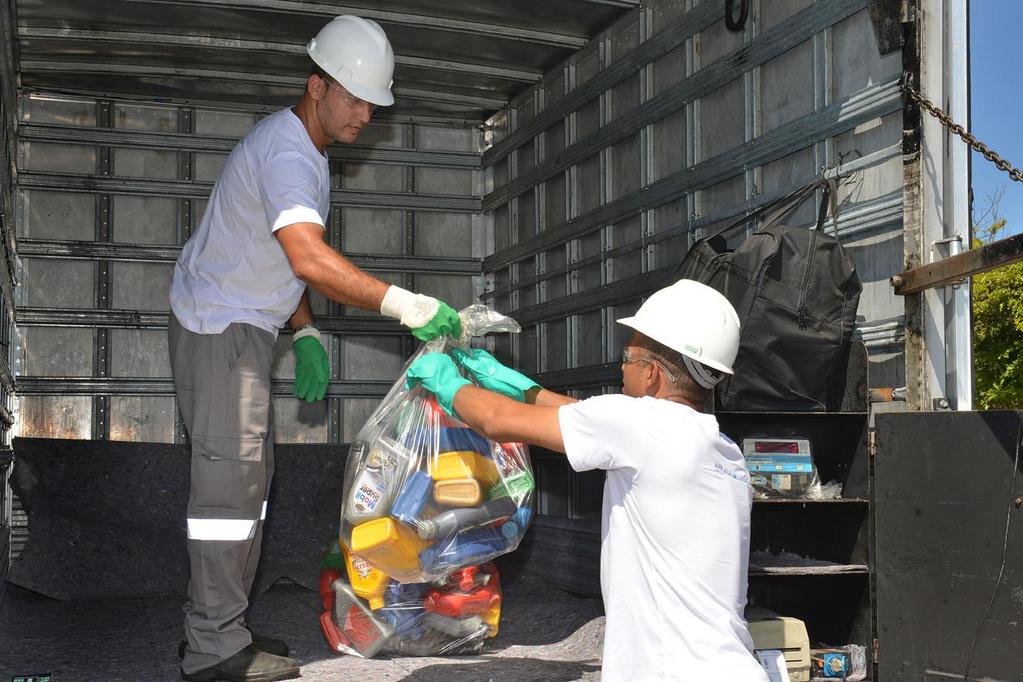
{"x":781,"y":633}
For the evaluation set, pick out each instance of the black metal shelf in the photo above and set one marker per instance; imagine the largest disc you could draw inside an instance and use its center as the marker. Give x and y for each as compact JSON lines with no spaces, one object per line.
{"x":786,"y":571}
{"x":804,"y":501}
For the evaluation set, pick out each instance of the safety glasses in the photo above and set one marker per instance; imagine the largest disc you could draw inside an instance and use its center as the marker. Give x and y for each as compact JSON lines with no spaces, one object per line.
{"x":631,"y":355}
{"x":348,"y":98}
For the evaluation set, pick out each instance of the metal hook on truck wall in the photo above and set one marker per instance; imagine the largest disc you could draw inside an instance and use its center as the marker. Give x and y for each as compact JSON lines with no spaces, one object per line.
{"x":731,"y":22}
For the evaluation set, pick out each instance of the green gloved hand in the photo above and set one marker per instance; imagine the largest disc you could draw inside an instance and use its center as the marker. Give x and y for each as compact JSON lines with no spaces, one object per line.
{"x":312,"y":368}
{"x":426,"y":316}
{"x":444,"y":322}
{"x":491,"y":374}
{"x":437,"y":373}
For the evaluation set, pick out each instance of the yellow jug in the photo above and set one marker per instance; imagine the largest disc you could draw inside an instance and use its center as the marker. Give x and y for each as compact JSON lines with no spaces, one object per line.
{"x":389,"y":545}
{"x":458,"y":492}
{"x":493,"y":619}
{"x":367,"y":582}
{"x":464,"y":464}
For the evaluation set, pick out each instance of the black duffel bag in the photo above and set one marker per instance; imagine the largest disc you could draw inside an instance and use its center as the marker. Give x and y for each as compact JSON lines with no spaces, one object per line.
{"x":796,"y":293}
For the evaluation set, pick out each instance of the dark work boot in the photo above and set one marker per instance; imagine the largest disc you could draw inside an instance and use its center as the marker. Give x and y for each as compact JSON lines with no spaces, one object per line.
{"x":261,"y":642}
{"x":248,"y":665}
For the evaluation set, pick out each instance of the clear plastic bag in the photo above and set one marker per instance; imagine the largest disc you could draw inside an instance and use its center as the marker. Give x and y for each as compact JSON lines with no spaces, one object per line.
{"x":423,"y":494}
{"x":847,"y":663}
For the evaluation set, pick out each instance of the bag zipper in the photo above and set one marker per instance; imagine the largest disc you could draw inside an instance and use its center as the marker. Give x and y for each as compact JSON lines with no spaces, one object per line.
{"x":801,"y":308}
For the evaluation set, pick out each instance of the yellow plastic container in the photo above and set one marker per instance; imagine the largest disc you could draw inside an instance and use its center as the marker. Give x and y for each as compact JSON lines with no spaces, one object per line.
{"x":493,"y":619}
{"x":367,"y":582}
{"x":464,"y":464}
{"x":389,"y":545}
{"x":458,"y":492}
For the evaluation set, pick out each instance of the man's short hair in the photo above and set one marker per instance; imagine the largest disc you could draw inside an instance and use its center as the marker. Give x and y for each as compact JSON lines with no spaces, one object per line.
{"x":317,"y":70}
{"x":672,"y":359}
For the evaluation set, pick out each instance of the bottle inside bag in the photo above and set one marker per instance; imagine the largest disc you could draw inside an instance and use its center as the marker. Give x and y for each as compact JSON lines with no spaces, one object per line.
{"x":377,"y":481}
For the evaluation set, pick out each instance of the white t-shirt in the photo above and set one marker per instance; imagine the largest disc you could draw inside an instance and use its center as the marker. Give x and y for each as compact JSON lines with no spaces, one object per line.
{"x":675,"y":548}
{"x":233,"y":269}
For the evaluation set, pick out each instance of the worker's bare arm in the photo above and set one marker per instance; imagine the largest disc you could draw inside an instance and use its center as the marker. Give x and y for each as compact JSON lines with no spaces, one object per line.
{"x":328,"y":272}
{"x":503,"y":419}
{"x":545,"y":398}
{"x":303,"y":314}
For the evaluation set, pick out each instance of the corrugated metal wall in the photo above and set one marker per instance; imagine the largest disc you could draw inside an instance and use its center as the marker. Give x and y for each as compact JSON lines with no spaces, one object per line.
{"x":107,"y":192}
{"x":665,"y":128}
{"x":7,"y":144}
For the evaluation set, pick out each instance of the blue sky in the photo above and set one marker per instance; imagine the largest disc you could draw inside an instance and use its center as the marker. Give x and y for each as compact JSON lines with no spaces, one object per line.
{"x":997,"y":103}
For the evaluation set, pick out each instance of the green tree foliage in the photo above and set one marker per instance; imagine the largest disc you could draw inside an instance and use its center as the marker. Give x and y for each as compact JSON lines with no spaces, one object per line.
{"x":998,"y":330}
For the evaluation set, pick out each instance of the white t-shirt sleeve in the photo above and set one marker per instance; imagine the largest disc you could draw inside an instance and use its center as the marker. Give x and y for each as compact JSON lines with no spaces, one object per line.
{"x":289,"y":184}
{"x":600,"y":432}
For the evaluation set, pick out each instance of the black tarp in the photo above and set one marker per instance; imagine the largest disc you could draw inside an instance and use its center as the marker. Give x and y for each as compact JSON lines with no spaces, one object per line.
{"x":107,"y":519}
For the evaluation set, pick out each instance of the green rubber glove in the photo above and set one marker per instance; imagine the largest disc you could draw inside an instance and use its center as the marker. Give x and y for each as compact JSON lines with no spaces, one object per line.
{"x":426,"y":316}
{"x":437,"y":373}
{"x":491,"y":374}
{"x":444,"y":322}
{"x":312,"y":368}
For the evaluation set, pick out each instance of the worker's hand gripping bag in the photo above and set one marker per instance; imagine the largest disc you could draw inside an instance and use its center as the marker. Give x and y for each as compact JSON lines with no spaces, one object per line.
{"x":423,"y":494}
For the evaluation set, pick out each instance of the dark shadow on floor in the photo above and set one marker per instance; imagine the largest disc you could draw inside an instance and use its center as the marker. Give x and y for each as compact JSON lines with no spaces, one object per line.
{"x":498,"y":669}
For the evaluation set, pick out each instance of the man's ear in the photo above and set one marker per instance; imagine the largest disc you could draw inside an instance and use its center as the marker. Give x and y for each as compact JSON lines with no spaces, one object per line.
{"x":650,"y":378}
{"x":315,"y":86}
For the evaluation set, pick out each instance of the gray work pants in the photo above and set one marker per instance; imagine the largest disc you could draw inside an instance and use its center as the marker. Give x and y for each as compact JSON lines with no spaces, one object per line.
{"x":223,"y":388}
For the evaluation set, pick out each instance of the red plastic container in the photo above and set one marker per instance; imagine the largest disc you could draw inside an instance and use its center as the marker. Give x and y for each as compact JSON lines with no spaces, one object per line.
{"x":336,"y":639}
{"x":438,"y":417}
{"x":461,"y":604}
{"x":367,"y":634}
{"x":327,"y":578}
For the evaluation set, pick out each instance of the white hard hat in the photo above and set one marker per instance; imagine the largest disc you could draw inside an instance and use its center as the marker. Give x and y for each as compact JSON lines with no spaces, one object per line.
{"x":693,"y":319}
{"x":356,"y":53}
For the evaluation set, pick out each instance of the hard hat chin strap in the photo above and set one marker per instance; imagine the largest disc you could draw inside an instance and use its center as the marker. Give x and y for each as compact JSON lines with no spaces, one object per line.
{"x":701,"y":375}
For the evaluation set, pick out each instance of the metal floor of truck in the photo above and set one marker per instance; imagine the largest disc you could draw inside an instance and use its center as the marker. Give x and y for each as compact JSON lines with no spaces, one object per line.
{"x":546,"y":634}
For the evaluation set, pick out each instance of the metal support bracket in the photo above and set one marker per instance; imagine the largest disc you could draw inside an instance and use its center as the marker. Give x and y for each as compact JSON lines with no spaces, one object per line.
{"x":957,"y":267}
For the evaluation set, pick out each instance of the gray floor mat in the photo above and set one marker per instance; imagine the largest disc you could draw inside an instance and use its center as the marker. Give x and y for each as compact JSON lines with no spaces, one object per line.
{"x":546,"y":634}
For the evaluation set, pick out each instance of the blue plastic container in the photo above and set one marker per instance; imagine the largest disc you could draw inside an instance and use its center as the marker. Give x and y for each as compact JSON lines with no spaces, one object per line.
{"x":465,"y":549}
{"x":463,"y":440}
{"x":404,"y":609}
{"x":409,"y":505}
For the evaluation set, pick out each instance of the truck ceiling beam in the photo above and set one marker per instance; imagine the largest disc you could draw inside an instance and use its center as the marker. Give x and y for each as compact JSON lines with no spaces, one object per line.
{"x":330,"y":10}
{"x":520,"y":75}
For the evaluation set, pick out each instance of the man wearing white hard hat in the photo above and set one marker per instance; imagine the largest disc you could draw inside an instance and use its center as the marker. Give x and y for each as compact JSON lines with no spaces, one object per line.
{"x":677,"y":497}
{"x":242,"y":277}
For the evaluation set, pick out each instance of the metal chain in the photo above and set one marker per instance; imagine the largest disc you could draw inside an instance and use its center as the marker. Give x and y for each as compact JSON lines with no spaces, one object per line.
{"x":1014,"y":173}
